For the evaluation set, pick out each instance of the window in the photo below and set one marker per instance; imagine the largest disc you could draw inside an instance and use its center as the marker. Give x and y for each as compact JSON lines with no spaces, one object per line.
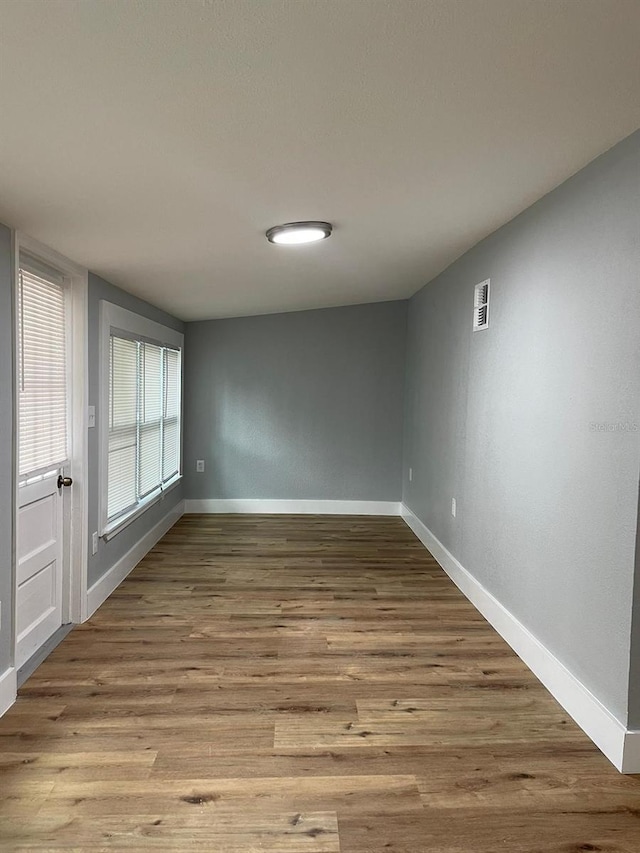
{"x":42,"y":369}
{"x":143,"y":385}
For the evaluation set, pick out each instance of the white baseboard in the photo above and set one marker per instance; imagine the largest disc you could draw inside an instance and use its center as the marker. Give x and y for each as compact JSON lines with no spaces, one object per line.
{"x":622,"y":747}
{"x":104,"y":586}
{"x":293,"y":507}
{"x":8,"y":689}
{"x":631,"y":752}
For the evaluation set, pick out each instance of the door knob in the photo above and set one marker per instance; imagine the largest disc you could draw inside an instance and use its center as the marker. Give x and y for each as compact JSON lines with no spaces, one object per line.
{"x":64,"y":481}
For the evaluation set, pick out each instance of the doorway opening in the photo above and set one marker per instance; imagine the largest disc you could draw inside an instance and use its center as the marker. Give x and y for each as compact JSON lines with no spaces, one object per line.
{"x":50,"y":459}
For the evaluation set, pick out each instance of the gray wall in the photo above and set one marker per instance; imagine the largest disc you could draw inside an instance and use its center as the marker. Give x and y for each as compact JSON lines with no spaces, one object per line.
{"x":501,"y":419}
{"x":6,"y":448}
{"x":302,"y":405}
{"x":110,"y":552}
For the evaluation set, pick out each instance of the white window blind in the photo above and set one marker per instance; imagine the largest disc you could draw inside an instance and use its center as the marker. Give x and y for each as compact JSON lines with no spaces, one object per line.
{"x":171,"y":414}
{"x":150,"y":418}
{"x":42,"y":368}
{"x":123,"y":425}
{"x":144,"y":422}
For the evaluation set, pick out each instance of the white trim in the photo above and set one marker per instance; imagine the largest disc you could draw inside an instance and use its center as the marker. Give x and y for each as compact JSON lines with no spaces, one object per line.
{"x":104,"y":586}
{"x":631,"y":752}
{"x":620,"y":746}
{"x":292,"y":507}
{"x":77,"y":594}
{"x":8,"y":689}
{"x":49,"y":256}
{"x":14,"y":460}
{"x":115,"y":317}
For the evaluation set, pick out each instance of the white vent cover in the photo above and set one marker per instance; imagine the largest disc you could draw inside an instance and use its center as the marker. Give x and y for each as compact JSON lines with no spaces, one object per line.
{"x":481,"y":305}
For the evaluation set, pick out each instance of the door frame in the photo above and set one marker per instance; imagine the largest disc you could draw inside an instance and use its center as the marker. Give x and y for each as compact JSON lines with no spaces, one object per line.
{"x":75,"y":558}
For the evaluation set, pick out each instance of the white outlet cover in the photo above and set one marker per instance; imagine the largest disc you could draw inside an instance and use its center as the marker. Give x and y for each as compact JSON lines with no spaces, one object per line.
{"x":199,"y":466}
{"x":453,"y":507}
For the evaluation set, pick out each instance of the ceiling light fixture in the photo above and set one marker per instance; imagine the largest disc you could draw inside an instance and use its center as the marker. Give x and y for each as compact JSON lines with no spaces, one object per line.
{"x":295,"y":233}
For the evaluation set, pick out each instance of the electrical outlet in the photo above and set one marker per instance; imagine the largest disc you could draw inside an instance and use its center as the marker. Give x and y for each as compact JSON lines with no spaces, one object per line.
{"x":453,"y":507}
{"x":200,"y":466}
{"x":410,"y":474}
{"x":94,"y":542}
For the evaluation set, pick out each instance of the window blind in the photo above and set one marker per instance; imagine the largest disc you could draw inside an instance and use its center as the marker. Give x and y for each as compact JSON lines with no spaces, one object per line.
{"x":144,"y":422}
{"x":123,"y":426}
{"x":150,"y":418}
{"x":42,"y":367}
{"x":171,"y":414}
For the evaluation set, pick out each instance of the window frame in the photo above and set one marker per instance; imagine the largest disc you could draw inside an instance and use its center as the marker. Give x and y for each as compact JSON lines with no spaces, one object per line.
{"x":115,"y":319}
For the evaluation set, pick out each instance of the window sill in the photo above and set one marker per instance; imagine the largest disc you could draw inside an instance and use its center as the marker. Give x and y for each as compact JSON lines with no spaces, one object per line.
{"x":119,"y":524}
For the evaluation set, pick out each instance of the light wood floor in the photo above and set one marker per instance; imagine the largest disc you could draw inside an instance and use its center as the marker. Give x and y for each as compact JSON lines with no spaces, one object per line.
{"x":290,"y":684}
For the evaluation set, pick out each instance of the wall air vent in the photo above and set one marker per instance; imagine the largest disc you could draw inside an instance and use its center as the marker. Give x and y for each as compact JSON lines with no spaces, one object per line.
{"x":481,"y":305}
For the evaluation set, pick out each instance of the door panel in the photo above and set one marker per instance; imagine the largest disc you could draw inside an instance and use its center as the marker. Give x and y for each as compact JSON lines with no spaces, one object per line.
{"x":37,"y":534}
{"x":39,"y":602}
{"x":39,"y":569}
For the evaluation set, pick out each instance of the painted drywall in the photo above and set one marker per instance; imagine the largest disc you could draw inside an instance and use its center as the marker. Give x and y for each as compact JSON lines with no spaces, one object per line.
{"x":110,"y":552}
{"x":6,"y":448}
{"x":304,"y":405}
{"x":530,"y":424}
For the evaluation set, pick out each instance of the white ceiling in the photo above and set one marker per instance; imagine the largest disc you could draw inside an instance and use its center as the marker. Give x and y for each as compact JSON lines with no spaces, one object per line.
{"x":154,"y":141}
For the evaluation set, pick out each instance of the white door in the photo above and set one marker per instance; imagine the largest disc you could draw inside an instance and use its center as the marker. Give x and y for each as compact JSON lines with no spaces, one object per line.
{"x":43,"y":454}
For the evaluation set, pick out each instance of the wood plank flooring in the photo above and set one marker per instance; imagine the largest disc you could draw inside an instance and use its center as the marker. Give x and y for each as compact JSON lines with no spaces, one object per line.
{"x":298,"y":684}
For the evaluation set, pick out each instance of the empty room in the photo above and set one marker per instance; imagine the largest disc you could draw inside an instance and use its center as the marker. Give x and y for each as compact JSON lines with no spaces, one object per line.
{"x":320,"y":426}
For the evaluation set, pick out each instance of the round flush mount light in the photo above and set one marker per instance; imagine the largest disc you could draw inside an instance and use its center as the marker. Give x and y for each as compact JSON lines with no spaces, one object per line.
{"x":296,"y":233}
